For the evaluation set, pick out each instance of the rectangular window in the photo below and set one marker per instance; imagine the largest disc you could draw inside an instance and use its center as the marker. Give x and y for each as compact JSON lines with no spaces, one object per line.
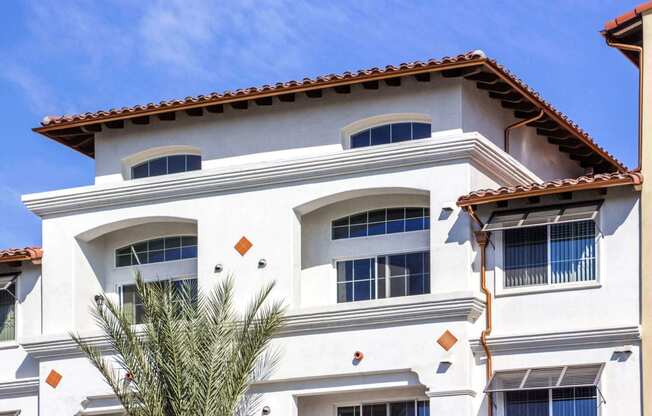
{"x":8,"y":313}
{"x":132,"y":304}
{"x":383,"y":276}
{"x":574,"y":401}
{"x":403,"y":408}
{"x":550,"y":254}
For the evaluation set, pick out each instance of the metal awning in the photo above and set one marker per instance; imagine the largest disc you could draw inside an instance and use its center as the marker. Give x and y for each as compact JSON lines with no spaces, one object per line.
{"x":6,"y":280}
{"x":545,"y":378}
{"x":503,"y":220}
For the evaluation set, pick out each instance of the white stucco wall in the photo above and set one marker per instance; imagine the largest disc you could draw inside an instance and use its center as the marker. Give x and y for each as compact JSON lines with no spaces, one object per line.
{"x":484,"y":114}
{"x":314,"y":126}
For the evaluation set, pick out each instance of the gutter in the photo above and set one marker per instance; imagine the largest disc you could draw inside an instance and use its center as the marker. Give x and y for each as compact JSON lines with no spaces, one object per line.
{"x":482,"y":238}
{"x":518,"y":124}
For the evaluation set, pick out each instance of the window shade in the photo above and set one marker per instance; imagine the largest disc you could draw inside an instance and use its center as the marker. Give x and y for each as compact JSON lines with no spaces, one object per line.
{"x":545,"y":378}
{"x":542,"y":216}
{"x":6,"y":281}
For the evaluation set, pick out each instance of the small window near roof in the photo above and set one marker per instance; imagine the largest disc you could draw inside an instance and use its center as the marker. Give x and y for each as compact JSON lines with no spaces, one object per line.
{"x":390,"y":133}
{"x":166,"y":165}
{"x":381,"y":221}
{"x":157,"y":250}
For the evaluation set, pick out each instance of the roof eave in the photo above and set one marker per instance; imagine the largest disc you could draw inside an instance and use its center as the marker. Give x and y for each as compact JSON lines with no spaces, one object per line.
{"x":633,"y":180}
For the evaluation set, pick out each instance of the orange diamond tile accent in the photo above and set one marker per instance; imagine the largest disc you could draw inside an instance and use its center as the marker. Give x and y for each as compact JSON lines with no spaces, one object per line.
{"x":243,"y":245}
{"x":53,"y":379}
{"x":447,"y":340}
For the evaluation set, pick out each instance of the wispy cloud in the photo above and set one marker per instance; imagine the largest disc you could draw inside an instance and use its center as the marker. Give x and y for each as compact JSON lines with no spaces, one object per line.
{"x":39,"y":96}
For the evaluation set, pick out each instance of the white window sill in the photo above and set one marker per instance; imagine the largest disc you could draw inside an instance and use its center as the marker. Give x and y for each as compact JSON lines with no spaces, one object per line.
{"x":7,"y":345}
{"x":530,"y":290}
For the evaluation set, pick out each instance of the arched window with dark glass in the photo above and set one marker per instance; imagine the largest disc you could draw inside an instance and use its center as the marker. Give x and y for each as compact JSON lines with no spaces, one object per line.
{"x":157,"y":250}
{"x":381,"y":221}
{"x":391,"y":133}
{"x":166,"y":165}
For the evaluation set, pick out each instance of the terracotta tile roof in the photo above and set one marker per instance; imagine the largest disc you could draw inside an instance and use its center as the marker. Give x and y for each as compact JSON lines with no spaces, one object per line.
{"x":77,"y":130}
{"x":563,"y":118}
{"x":631,"y":15}
{"x":34,"y":254}
{"x":284,"y":87}
{"x":602,"y":180}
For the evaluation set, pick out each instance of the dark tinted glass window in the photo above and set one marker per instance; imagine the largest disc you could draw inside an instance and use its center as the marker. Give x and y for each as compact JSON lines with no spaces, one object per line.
{"x":156,"y":251}
{"x":177,"y":164}
{"x":381,"y":221}
{"x":383,"y":276}
{"x":140,"y":171}
{"x":166,"y":165}
{"x":360,"y":139}
{"x":390,"y":133}
{"x":193,"y":162}
{"x":381,"y":135}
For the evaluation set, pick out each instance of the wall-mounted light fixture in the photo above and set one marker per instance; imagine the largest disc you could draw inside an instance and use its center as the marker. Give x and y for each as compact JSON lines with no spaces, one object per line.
{"x":218,"y":268}
{"x":99,"y":300}
{"x":262,"y":263}
{"x":266,"y":410}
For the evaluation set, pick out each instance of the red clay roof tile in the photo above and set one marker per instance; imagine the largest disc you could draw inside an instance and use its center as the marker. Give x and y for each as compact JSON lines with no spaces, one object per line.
{"x":603,"y":180}
{"x":51,"y":124}
{"x":34,"y":254}
{"x":626,"y":17}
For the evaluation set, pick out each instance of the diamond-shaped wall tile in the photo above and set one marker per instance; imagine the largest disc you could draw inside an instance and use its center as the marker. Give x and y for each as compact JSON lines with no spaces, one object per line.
{"x":243,"y":245}
{"x":447,"y":340}
{"x":53,"y":379}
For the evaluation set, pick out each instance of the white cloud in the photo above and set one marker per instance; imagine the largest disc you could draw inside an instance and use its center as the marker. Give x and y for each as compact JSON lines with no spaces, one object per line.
{"x":39,"y":97}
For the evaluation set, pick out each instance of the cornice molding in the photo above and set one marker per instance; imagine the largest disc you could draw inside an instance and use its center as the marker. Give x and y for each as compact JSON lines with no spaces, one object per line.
{"x":449,"y":393}
{"x":464,"y":306}
{"x":19,"y":387}
{"x":455,"y":306}
{"x":592,"y":338}
{"x":461,"y":146}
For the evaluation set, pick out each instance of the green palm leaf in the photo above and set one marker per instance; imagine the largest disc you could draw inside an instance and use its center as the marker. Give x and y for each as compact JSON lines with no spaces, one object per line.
{"x":191,"y":356}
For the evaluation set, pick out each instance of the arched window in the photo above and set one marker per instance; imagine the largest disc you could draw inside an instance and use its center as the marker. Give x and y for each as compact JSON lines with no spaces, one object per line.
{"x":391,"y":133}
{"x":166,"y":165}
{"x":157,"y":250}
{"x":381,"y":221}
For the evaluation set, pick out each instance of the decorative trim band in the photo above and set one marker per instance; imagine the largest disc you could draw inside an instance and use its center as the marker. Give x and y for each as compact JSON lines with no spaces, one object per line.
{"x":452,"y":306}
{"x":21,"y":387}
{"x":462,"y":146}
{"x":449,"y":393}
{"x":593,"y":338}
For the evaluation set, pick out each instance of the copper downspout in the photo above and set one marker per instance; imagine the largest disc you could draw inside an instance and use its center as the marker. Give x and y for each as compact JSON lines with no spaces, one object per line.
{"x":509,"y":128}
{"x":639,"y":50}
{"x":482,"y":238}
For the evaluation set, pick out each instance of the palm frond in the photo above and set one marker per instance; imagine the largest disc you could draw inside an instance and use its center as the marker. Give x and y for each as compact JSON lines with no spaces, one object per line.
{"x":193,"y":355}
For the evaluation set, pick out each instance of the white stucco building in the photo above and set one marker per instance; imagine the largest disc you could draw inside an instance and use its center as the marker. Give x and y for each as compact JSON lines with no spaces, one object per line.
{"x":358,"y":194}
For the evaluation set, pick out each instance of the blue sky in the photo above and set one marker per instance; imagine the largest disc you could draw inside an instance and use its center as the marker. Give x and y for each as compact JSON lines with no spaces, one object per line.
{"x":76,"y":56}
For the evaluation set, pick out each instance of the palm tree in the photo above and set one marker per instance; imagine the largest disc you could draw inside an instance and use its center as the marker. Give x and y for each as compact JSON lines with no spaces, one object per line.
{"x":193,"y":355}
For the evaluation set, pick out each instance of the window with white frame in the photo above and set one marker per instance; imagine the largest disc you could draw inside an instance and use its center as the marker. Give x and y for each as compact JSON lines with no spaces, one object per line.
{"x":157,"y":250}
{"x":7,"y":308}
{"x":132,"y":304}
{"x":385,"y":276}
{"x":381,"y":221}
{"x":402,"y":408}
{"x":166,"y":165}
{"x":549,"y":246}
{"x":553,"y":391}
{"x":391,"y":133}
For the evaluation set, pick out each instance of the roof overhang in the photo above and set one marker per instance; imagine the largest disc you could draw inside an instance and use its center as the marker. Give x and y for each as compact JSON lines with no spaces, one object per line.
{"x":599,"y":181}
{"x":19,"y":255}
{"x":627,"y":29}
{"x":78,"y":131}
